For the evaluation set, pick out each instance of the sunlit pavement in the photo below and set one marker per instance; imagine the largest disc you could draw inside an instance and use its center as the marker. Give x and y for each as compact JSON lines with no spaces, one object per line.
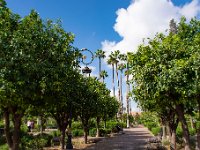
{"x":132,"y":139}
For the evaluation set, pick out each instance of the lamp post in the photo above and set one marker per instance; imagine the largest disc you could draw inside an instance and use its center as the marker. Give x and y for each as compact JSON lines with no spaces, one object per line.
{"x":85,"y":70}
{"x":85,"y":61}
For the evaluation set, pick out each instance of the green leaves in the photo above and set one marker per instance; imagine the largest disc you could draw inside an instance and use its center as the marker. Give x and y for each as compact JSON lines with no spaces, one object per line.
{"x":166,"y":70}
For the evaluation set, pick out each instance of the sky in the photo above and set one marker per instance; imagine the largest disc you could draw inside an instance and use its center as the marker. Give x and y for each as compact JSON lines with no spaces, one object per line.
{"x":110,"y":24}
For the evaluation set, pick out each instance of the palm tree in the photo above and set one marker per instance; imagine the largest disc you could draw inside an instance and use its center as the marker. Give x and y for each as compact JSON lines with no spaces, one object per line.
{"x":103,"y":75}
{"x":100,"y":54}
{"x":121,"y":68}
{"x":111,"y":61}
{"x":127,"y":89}
{"x":115,"y":55}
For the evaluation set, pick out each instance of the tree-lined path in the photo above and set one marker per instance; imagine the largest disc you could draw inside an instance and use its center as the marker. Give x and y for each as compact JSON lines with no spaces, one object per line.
{"x":132,"y":139}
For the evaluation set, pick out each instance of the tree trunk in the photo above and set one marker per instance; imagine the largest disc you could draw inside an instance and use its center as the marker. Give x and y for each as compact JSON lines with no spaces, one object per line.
{"x":13,"y":139}
{"x":116,"y":69}
{"x":113,"y":79}
{"x":121,"y":95}
{"x":63,"y":138}
{"x":127,"y":96}
{"x":41,"y":125}
{"x":16,"y":133}
{"x":191,"y":122}
{"x":99,"y":68}
{"x":186,"y":137}
{"x":7,"y":129}
{"x":173,"y":139}
{"x":98,"y":121}
{"x":62,"y":120}
{"x":198,"y":129}
{"x":169,"y":132}
{"x":105,"y":124}
{"x":85,"y":134}
{"x":198,"y":140}
{"x":164,"y":132}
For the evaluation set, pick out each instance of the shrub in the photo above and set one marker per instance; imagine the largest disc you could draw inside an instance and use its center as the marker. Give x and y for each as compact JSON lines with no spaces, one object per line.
{"x":76,"y":125}
{"x":151,"y":125}
{"x":77,"y":132}
{"x":197,"y":124}
{"x":51,"y":126}
{"x":156,"y":131}
{"x":37,"y":142}
{"x":121,"y":124}
{"x":107,"y":131}
{"x":102,"y":132}
{"x":112,"y":124}
{"x":4,"y":147}
{"x":93,"y":132}
{"x":55,"y":133}
{"x":1,"y":124}
{"x":92,"y":123}
{"x":114,"y":130}
{"x":179,"y":132}
{"x":192,"y":131}
{"x":2,"y":140}
{"x":24,"y":128}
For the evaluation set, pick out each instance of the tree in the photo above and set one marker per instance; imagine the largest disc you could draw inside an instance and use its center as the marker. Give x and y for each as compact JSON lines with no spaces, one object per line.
{"x":100,"y":54}
{"x":163,"y":71}
{"x":33,"y":53}
{"x":111,"y":61}
{"x":115,"y":56}
{"x":86,"y":106}
{"x":121,"y":68}
{"x":103,"y":75}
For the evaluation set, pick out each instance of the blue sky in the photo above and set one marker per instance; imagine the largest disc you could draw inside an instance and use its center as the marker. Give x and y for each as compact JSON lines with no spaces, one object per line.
{"x":90,"y":20}
{"x":109,"y":24}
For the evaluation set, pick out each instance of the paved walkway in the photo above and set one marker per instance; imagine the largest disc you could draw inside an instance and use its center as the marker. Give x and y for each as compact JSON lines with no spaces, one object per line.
{"x":132,"y":139}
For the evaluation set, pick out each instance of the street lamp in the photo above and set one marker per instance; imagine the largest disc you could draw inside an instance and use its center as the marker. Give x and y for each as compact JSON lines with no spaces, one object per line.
{"x":86,"y":70}
{"x":87,"y":54}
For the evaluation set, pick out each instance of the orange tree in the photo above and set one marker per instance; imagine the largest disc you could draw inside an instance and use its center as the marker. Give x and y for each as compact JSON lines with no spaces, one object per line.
{"x":166,"y":74}
{"x":34,"y":57}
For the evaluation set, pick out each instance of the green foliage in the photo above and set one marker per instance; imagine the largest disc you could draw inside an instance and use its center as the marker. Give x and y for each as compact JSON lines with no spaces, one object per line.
{"x":77,"y":132}
{"x":55,"y":133}
{"x":198,"y":124}
{"x":92,"y":123}
{"x":151,"y":125}
{"x":192,"y":131}
{"x":156,"y":130}
{"x":24,"y":128}
{"x":35,"y":142}
{"x":93,"y":132}
{"x":1,"y":124}
{"x":102,"y":131}
{"x":4,"y":147}
{"x":112,"y":124}
{"x":51,"y":123}
{"x":2,"y":140}
{"x":166,"y":73}
{"x":107,"y":131}
{"x":77,"y":125}
{"x":179,"y":132}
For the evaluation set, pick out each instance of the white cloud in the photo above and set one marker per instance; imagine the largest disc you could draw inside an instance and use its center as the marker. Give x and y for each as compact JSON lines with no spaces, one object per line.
{"x":190,"y":10}
{"x":145,"y":18}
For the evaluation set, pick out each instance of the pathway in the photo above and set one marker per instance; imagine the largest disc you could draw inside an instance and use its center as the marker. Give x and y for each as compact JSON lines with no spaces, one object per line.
{"x":132,"y":139}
